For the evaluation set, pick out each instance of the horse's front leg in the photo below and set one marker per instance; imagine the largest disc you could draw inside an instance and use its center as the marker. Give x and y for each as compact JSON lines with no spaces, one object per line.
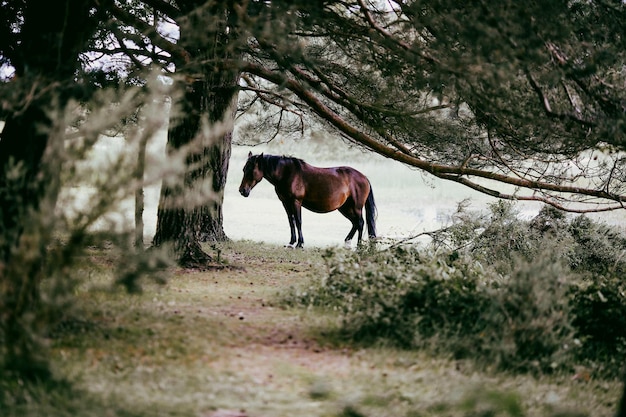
{"x":298,"y":222}
{"x":292,"y":225}
{"x":291,"y":217}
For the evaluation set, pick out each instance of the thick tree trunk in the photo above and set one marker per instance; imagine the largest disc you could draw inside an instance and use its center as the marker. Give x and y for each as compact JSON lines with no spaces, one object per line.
{"x":22,"y":145}
{"x":177,"y":216}
{"x":203,"y":125}
{"x":52,"y":36}
{"x":211,"y":215}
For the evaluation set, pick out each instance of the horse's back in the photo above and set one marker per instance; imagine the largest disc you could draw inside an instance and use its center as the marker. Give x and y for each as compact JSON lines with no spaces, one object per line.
{"x":327,"y":189}
{"x":334,"y":177}
{"x":346,"y":173}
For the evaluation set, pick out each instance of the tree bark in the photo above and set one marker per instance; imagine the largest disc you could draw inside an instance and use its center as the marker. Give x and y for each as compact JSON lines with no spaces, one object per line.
{"x":139,"y":192}
{"x":177,"y":218}
{"x":202,"y":124}
{"x":223,"y":106}
{"x":22,"y":145}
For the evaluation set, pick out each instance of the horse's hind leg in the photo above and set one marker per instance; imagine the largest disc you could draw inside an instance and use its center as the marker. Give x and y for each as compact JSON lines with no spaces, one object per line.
{"x":351,"y":233}
{"x":356,"y":218}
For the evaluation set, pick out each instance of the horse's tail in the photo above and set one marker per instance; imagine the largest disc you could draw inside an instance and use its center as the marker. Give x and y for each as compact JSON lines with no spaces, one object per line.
{"x":370,"y":213}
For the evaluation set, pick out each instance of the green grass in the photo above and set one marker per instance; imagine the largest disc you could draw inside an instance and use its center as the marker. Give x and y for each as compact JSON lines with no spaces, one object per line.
{"x":219,"y":340}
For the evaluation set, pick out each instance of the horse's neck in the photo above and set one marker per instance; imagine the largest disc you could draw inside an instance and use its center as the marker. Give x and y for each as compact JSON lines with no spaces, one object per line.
{"x":280,"y":169}
{"x":271,"y":168}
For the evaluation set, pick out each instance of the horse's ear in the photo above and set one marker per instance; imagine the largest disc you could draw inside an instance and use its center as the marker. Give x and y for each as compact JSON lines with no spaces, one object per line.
{"x":249,"y":154}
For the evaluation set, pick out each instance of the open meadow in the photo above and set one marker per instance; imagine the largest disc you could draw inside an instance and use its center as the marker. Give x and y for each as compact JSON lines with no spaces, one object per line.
{"x":221,"y":344}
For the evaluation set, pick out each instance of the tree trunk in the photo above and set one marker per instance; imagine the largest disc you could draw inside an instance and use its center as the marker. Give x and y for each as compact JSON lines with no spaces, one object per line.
{"x":177,"y":217}
{"x":139,"y":192}
{"x":223,"y":106}
{"x":22,"y":145}
{"x":51,"y":39}
{"x":190,"y":209}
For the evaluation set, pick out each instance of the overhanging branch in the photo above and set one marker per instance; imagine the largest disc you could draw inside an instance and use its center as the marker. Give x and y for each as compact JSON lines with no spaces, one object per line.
{"x":459,"y":174}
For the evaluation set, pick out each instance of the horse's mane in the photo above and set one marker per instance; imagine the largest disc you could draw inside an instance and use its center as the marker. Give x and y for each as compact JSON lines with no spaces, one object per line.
{"x":271,"y":162}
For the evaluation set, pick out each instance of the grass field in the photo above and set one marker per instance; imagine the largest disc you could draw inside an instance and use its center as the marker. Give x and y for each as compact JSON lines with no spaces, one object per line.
{"x":219,"y":344}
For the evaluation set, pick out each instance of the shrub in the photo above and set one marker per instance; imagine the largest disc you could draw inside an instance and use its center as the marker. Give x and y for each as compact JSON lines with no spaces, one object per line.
{"x":528,"y":322}
{"x":449,"y":305}
{"x":599,"y":310}
{"x":523,"y":295}
{"x":597,"y":248}
{"x":384,"y":294}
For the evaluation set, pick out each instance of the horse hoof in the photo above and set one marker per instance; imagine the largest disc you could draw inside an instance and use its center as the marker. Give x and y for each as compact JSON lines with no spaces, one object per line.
{"x":290,"y":246}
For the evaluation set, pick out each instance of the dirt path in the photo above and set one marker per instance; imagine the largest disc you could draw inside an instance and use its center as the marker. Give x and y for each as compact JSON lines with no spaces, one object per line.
{"x":269,"y":349}
{"x":268,"y":337}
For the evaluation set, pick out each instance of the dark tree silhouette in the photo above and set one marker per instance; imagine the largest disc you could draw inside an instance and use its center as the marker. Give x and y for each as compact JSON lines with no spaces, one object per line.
{"x":45,"y":56}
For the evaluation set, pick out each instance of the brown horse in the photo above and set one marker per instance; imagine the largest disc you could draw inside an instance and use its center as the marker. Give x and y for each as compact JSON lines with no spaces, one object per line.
{"x":321,"y":190}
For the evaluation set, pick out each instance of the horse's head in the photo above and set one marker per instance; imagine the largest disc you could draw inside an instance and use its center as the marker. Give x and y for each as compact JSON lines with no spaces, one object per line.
{"x":252,"y":174}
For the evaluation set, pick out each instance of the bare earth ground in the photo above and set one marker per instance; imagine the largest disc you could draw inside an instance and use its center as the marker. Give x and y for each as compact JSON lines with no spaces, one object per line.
{"x":216,"y":344}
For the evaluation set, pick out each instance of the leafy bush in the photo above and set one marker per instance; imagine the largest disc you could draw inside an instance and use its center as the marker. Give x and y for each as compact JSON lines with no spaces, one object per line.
{"x":523,"y":295}
{"x":599,"y":308}
{"x":448,"y":305}
{"x":528,"y":320}
{"x":597,"y":248}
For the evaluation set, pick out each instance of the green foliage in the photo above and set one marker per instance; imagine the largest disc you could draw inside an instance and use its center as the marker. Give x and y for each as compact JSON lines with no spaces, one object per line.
{"x":598,"y":249}
{"x":599,"y":307}
{"x":520,"y":295}
{"x":386,"y":295}
{"x":416,"y":300}
{"x":527,"y":321}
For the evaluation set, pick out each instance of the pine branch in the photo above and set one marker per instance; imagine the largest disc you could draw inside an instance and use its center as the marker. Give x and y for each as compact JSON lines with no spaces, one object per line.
{"x":457,"y":173}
